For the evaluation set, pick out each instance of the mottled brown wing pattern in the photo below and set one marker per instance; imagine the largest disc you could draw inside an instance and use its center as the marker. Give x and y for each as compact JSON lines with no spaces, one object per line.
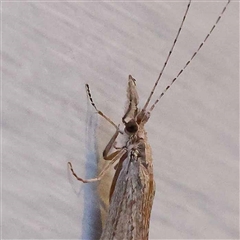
{"x":132,"y":198}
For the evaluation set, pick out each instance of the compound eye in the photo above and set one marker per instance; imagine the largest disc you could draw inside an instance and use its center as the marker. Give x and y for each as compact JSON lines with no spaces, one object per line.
{"x":131,"y":127}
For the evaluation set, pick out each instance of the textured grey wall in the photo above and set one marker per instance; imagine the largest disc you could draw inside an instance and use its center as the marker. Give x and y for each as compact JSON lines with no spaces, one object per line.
{"x":51,"y":49}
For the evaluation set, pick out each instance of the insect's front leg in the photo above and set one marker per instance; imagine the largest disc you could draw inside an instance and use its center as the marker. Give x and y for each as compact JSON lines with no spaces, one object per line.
{"x":118,"y":155}
{"x":111,"y":145}
{"x":113,"y":157}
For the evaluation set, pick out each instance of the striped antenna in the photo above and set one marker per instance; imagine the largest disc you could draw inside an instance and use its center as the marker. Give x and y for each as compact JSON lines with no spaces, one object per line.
{"x":194,"y":54}
{"x":94,"y":105}
{"x":169,"y":54}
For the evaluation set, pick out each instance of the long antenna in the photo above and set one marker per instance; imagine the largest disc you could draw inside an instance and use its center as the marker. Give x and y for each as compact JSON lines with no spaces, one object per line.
{"x":194,"y":54}
{"x":94,"y":105}
{"x":169,"y":54}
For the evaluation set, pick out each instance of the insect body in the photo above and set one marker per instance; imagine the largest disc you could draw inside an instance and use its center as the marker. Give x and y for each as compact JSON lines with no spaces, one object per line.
{"x":133,"y":188}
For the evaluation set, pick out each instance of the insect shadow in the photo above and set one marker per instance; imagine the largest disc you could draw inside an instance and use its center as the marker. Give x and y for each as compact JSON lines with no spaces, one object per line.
{"x":91,"y":222}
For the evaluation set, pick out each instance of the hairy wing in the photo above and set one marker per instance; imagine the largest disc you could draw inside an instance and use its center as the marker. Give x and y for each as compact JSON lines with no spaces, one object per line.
{"x":132,"y":198}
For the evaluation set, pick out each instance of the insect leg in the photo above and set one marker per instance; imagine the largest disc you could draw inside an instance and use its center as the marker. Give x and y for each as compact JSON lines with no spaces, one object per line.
{"x":109,"y":147}
{"x":98,"y":111}
{"x":103,"y":172}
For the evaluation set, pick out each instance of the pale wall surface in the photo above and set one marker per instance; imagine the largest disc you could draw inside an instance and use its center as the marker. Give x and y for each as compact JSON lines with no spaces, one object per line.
{"x":51,"y":49}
